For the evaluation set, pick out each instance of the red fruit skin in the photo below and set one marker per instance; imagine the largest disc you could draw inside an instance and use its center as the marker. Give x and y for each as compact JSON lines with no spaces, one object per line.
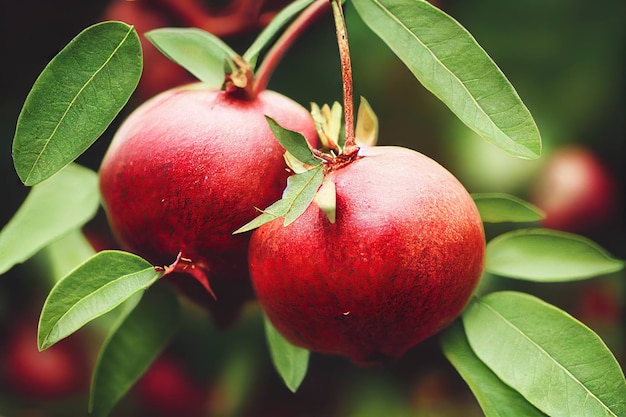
{"x":55,"y":373}
{"x":575,"y":190}
{"x":399,"y":264}
{"x":186,"y":169}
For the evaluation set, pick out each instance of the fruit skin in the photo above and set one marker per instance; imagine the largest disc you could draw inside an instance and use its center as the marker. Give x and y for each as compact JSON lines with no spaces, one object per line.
{"x":186,"y":169}
{"x":575,"y":190}
{"x":398,"y":265}
{"x":58,"y":372}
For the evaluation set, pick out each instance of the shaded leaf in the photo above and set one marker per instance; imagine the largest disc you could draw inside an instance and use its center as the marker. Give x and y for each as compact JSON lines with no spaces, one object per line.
{"x":548,"y":256}
{"x":75,"y":98}
{"x":63,"y":255}
{"x":300,"y":191}
{"x":291,"y":362}
{"x":448,"y":61}
{"x":94,"y":288}
{"x":553,"y":360}
{"x":143,"y":330}
{"x":294,"y":142}
{"x":495,"y":397}
{"x":499,"y":208}
{"x":273,"y":28}
{"x":52,"y":209}
{"x":199,"y":52}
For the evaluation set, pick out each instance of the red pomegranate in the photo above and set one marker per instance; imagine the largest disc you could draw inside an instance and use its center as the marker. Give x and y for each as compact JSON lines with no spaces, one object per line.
{"x":189,"y":167}
{"x":398,"y":265}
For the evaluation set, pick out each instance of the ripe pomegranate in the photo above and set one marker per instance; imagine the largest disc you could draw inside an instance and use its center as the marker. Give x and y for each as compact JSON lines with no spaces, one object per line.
{"x":576,"y":191}
{"x":399,"y":263}
{"x":185,"y":170}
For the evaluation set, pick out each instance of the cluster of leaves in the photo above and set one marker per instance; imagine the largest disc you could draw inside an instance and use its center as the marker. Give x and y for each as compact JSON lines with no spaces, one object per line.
{"x":518,"y":354}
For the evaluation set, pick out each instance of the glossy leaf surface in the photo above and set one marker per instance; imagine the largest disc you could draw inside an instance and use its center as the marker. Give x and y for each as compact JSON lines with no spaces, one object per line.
{"x":94,"y":288}
{"x":448,"y":61}
{"x":499,"y":208}
{"x":75,"y":98}
{"x":548,"y":256}
{"x":558,"y":364}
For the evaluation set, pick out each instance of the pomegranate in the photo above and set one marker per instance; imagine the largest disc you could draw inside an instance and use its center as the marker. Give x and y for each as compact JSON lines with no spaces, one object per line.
{"x":399,"y":263}
{"x":185,"y":170}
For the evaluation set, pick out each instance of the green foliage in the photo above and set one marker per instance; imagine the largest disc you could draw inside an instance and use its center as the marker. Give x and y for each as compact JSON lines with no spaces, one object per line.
{"x":291,"y":362}
{"x":500,"y":208}
{"x":52,"y":209}
{"x":293,"y":142}
{"x":94,"y":288}
{"x":496,"y":398}
{"x":75,"y":98}
{"x":546,"y":255}
{"x":143,"y":330}
{"x":271,"y":30}
{"x":553,"y":360}
{"x":199,"y":52}
{"x":448,"y":61}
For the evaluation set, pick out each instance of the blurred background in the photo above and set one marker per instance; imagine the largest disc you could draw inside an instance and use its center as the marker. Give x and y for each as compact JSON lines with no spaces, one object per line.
{"x":566,"y":60}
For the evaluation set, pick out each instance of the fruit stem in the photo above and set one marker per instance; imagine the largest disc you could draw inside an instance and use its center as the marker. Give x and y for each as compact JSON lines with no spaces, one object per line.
{"x":350,"y":146}
{"x":289,"y":36}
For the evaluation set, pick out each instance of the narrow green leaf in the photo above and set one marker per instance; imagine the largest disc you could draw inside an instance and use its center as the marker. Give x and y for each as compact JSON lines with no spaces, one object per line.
{"x":558,"y":364}
{"x":199,"y":52}
{"x":291,"y":362}
{"x":300,"y":191}
{"x":271,"y":30}
{"x":548,"y":256}
{"x":75,"y":98}
{"x":94,"y":288}
{"x":142,"y":332}
{"x":495,"y":397}
{"x":52,"y":209}
{"x":294,"y":142}
{"x":499,"y":208}
{"x":448,"y":61}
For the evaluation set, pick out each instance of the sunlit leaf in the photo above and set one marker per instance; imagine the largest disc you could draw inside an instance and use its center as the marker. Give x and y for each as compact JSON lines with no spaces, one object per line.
{"x":273,"y":28}
{"x":294,"y":142}
{"x":558,"y":364}
{"x":326,"y":199}
{"x":291,"y":362}
{"x":495,"y":397}
{"x":75,"y":98}
{"x":448,"y":61}
{"x":366,"y":133}
{"x":141,"y":333}
{"x":52,"y":209}
{"x":199,"y":52}
{"x":499,"y":208}
{"x":548,"y":256}
{"x":94,"y":288}
{"x":300,"y":191}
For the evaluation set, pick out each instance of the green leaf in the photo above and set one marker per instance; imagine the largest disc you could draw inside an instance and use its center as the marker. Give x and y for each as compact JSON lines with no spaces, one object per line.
{"x":75,"y":98}
{"x":559,"y":365}
{"x":63,"y":255}
{"x":294,"y":142}
{"x":141,"y":333}
{"x":448,"y":61}
{"x":366,"y":125}
{"x":547,"y":256}
{"x":495,"y":397}
{"x":300,"y":191}
{"x":499,"y":208}
{"x":52,"y":209}
{"x":199,"y":52}
{"x":94,"y":288}
{"x":271,"y":30}
{"x":291,"y":362}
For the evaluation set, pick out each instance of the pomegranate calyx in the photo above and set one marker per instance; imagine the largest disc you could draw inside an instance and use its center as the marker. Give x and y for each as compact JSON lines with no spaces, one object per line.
{"x":198,"y":270}
{"x":240,"y":82}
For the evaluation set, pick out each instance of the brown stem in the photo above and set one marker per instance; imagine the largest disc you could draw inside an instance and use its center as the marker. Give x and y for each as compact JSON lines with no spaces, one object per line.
{"x":350,"y":146}
{"x":280,"y":47}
